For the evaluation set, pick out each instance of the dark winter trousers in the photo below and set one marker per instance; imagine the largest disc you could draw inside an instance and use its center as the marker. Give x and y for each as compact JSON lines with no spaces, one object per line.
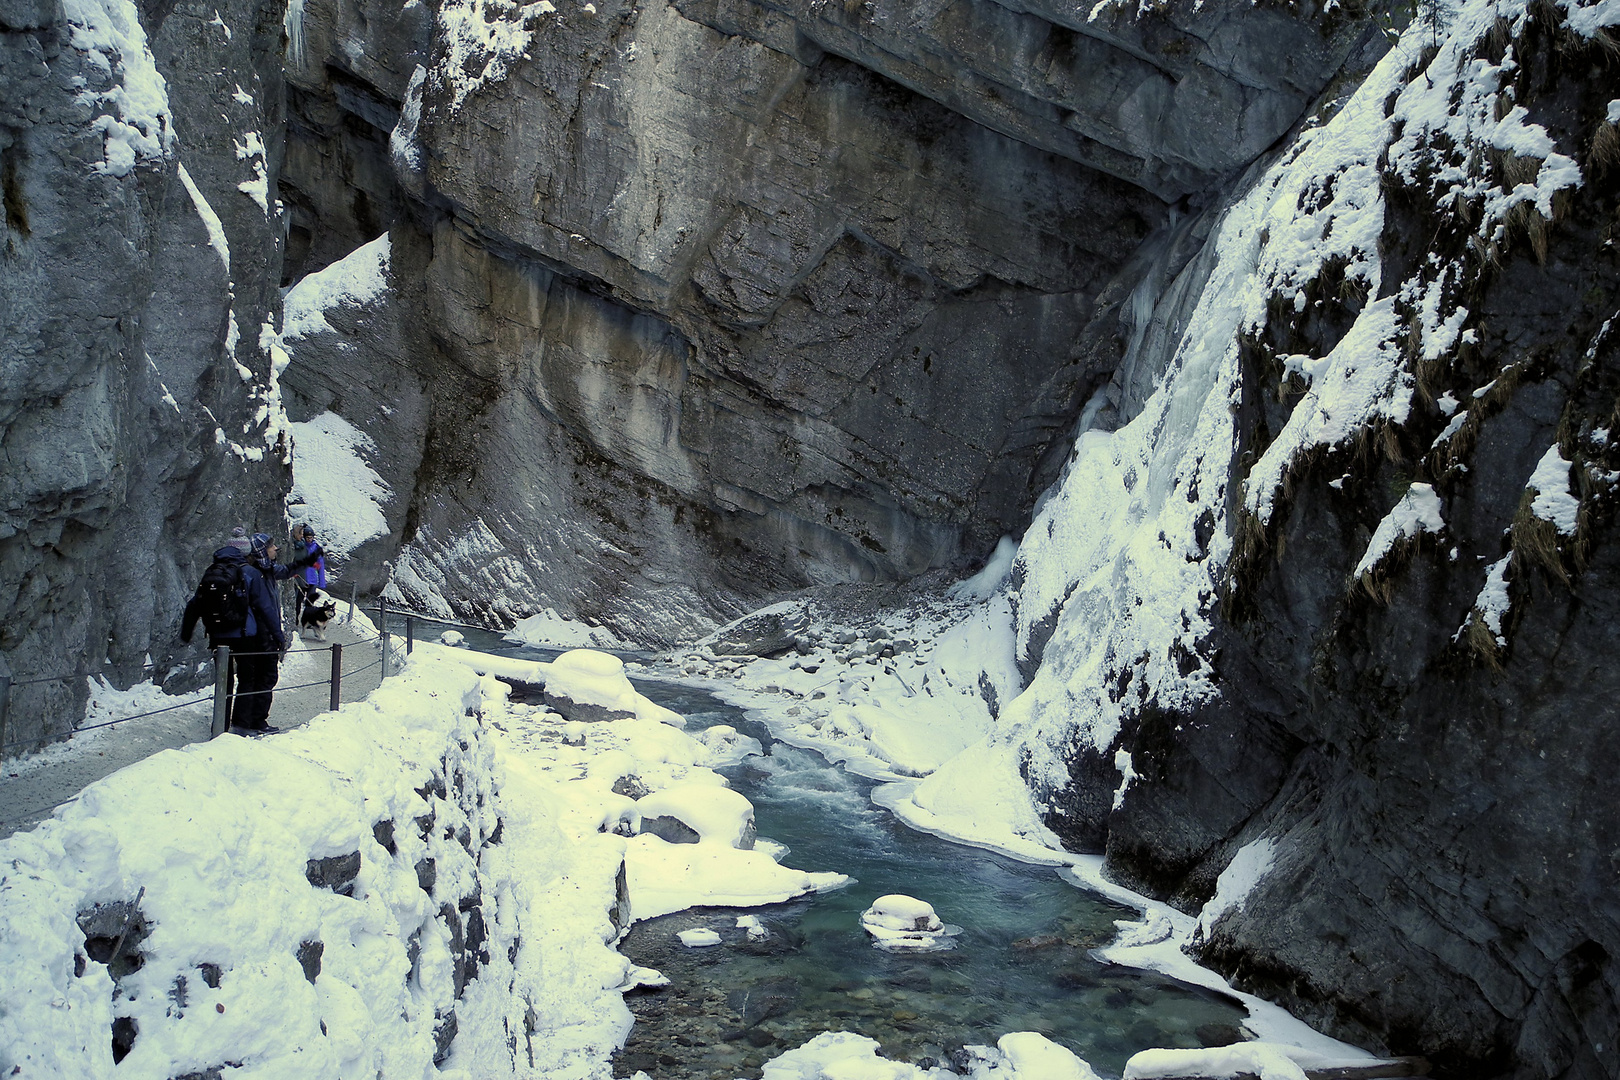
{"x":256,"y":675}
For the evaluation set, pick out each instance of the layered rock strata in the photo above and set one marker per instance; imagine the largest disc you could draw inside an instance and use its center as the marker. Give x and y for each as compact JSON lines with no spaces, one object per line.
{"x":738,"y":298}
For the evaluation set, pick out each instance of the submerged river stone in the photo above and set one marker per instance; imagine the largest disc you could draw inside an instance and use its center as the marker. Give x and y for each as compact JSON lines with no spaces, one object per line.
{"x":758,"y":1003}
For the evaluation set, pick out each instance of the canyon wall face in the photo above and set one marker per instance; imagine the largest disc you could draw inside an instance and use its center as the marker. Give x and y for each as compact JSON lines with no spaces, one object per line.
{"x":669,"y":308}
{"x":137,"y":413}
{"x":694,"y":303}
{"x":1326,"y":633}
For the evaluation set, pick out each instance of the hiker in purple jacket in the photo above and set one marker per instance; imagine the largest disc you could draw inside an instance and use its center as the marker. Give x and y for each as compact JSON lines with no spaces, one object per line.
{"x":311,"y":553}
{"x":313,"y":558}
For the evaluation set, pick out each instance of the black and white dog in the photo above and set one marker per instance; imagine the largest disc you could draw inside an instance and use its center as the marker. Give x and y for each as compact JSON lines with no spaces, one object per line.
{"x":319,"y":609}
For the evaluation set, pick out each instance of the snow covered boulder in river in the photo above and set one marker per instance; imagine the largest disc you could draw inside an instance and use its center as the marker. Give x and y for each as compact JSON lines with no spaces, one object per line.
{"x":583,"y":684}
{"x":897,"y":921}
{"x":725,"y":745}
{"x":698,"y":814}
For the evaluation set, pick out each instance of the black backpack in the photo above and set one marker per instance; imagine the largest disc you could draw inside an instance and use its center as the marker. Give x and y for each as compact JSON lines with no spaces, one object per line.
{"x":222,"y":598}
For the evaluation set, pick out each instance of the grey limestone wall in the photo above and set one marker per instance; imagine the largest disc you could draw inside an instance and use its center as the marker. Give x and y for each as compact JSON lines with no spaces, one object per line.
{"x":703,"y":301}
{"x":115,"y":315}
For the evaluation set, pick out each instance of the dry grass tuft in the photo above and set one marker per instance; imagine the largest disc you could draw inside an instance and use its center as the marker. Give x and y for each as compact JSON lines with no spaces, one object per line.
{"x":1482,"y":642}
{"x":1376,"y":584}
{"x":1605,"y":152}
{"x":1535,"y":542}
{"x":1249,"y":547}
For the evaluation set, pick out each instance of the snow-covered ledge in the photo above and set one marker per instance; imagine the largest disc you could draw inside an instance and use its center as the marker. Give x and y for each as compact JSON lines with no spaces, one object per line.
{"x":323,"y":903}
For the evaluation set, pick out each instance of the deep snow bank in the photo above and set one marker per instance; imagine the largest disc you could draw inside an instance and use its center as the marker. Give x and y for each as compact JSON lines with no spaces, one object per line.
{"x":309,"y":905}
{"x":431,"y":877}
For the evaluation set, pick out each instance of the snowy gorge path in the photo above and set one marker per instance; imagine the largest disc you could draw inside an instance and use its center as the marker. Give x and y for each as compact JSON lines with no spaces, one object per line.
{"x":33,"y":786}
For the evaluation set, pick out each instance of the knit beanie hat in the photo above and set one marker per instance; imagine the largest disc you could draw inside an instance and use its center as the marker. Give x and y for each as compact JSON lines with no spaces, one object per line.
{"x":239,"y":540}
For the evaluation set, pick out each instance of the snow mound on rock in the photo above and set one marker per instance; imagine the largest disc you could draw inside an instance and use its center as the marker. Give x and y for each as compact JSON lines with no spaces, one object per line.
{"x":1270,"y":1060}
{"x":897,"y":921}
{"x":717,"y":814}
{"x":589,"y":677}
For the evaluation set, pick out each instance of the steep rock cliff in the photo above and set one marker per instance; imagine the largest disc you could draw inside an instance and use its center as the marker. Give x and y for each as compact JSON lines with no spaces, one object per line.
{"x":138,"y":412}
{"x":1323,"y":636}
{"x":756,"y":296}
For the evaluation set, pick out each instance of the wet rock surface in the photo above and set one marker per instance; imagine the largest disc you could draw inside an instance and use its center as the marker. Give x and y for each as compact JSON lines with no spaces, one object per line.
{"x":335,"y":872}
{"x":113,"y":933}
{"x":583,"y":711}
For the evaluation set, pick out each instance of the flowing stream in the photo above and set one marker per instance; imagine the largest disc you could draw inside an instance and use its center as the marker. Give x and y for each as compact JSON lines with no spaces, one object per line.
{"x":1022,"y":963}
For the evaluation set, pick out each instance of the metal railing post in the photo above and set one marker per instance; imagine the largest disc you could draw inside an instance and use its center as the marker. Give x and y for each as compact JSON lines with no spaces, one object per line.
{"x":5,"y":701}
{"x":382,"y":631}
{"x":222,"y":691}
{"x":337,"y":676}
{"x":410,"y":634}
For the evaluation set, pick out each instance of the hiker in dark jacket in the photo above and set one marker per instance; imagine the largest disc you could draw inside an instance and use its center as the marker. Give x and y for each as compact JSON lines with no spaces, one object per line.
{"x":260,"y":666}
{"x":259,"y":632}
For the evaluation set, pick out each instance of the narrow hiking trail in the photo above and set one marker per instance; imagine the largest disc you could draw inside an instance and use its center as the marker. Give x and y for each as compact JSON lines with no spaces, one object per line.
{"x":32,"y":787}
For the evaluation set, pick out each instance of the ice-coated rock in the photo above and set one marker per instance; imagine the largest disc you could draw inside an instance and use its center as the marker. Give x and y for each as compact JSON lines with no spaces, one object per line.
{"x":645,"y":978}
{"x":453,"y":638}
{"x":699,"y":938}
{"x":725,"y":745}
{"x":900,"y":912}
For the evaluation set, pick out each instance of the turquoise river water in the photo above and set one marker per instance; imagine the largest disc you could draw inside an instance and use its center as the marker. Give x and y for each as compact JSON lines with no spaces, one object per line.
{"x":1022,"y":963}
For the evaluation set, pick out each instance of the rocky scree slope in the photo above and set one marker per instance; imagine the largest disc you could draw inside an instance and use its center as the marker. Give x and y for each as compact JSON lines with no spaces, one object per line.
{"x":691,"y":303}
{"x":1336,"y":611}
{"x":139,"y":416}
